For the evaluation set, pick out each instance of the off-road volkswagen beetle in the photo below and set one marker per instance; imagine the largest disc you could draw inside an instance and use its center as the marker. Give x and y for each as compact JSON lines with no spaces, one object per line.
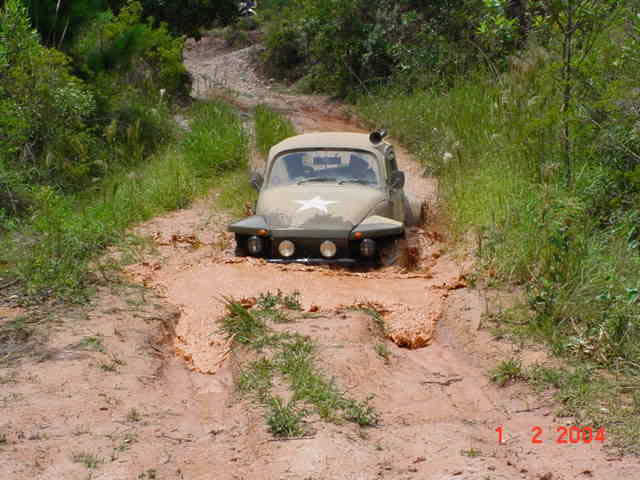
{"x":328,"y":198}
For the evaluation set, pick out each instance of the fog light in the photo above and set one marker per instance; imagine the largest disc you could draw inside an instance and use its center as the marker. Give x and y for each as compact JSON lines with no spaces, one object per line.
{"x":254,"y":245}
{"x":367,"y":247}
{"x":328,"y":249}
{"x":286,"y":248}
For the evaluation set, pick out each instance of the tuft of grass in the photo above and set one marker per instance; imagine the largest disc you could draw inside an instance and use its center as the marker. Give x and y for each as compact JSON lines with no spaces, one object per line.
{"x":113,"y":365}
{"x":241,"y":324}
{"x":271,"y":128}
{"x":257,"y":377}
{"x":383,"y":351}
{"x":291,"y":357}
{"x":95,"y":343}
{"x":284,"y":419}
{"x":507,"y":371}
{"x":361,"y":413}
{"x":133,"y":415}
{"x":235,"y":193}
{"x":89,"y":460}
{"x":16,"y":331}
{"x":471,"y":452}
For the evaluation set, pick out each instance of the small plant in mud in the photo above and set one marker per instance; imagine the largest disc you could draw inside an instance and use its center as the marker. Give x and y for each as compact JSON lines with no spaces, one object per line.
{"x":91,"y":343}
{"x":471,"y":452}
{"x":374,"y":311}
{"x":268,"y":300}
{"x":87,"y":459}
{"x":383,"y":351}
{"x":133,"y":415}
{"x":361,"y":413}
{"x":507,"y":371}
{"x":242,"y":325}
{"x":291,"y":357}
{"x":150,"y":474}
{"x":284,"y":419}
{"x":113,"y":365}
{"x":257,"y":378}
{"x":271,"y":306}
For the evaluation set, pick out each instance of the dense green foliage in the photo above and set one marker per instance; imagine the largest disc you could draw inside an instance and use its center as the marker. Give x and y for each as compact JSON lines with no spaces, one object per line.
{"x":347,"y":45}
{"x":59,"y":21}
{"x":67,"y":232}
{"x":66,"y":131}
{"x":87,"y":142}
{"x":497,"y":142}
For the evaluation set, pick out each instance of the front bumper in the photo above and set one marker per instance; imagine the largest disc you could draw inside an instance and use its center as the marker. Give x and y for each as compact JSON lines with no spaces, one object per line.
{"x":347,"y":262}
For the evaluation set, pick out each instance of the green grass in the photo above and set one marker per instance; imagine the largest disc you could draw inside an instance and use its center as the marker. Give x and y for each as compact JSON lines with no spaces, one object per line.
{"x":271,"y":127}
{"x":593,"y":397}
{"x":89,"y":460}
{"x":573,"y":249}
{"x":507,"y":371}
{"x":52,"y":252}
{"x":94,"y":342}
{"x":290,"y":357}
{"x":284,"y":420}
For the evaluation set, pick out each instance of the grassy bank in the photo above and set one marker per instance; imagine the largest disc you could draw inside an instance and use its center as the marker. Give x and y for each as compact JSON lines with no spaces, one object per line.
{"x":51,"y":251}
{"x":499,"y":166}
{"x":271,"y":127}
{"x":495,"y":148}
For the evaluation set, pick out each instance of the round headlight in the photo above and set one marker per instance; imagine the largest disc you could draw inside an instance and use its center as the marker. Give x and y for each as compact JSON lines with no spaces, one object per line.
{"x":328,"y":249}
{"x":286,"y":248}
{"x":254,"y":245}
{"x":367,"y":247}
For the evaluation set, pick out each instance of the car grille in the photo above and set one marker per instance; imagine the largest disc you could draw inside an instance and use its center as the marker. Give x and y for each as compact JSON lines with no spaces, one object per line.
{"x":310,"y":248}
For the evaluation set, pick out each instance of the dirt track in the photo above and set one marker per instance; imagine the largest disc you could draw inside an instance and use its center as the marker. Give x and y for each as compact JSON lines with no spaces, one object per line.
{"x":166,"y":416}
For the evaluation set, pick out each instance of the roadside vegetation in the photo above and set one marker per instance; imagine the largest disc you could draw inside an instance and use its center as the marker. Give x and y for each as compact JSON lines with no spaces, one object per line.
{"x":271,"y":128}
{"x":275,"y":356}
{"x":88,"y":143}
{"x":529,"y":116}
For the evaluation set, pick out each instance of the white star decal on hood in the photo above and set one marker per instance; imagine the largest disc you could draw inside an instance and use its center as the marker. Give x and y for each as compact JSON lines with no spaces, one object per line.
{"x":316,"y":202}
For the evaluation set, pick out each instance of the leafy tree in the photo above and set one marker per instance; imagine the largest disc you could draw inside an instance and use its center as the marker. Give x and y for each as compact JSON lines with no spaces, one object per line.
{"x":188,"y":17}
{"x":43,"y":108}
{"x":58,"y":21}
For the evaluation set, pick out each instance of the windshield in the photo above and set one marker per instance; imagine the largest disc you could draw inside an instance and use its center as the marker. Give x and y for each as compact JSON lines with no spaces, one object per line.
{"x":340,"y":166}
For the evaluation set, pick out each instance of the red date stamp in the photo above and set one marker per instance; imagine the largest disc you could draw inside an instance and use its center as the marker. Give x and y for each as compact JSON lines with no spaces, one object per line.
{"x":566,"y":435}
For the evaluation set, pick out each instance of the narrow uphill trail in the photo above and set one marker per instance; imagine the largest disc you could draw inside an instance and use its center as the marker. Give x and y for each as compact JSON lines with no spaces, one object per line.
{"x":439,"y":411}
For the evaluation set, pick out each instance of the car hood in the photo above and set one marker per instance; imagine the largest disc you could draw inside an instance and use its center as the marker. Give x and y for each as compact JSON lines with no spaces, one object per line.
{"x":318,"y":207}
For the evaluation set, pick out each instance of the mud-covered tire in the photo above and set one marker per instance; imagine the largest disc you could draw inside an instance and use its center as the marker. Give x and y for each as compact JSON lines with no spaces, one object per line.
{"x":414,"y":211}
{"x":240,"y":249}
{"x":392,"y":253}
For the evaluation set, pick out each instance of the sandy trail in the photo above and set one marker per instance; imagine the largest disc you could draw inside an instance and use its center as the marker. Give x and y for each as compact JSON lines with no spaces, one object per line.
{"x":158,"y":400}
{"x":439,"y":410}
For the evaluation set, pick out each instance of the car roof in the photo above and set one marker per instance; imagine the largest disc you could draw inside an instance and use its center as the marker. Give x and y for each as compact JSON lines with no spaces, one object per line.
{"x":358,"y":141}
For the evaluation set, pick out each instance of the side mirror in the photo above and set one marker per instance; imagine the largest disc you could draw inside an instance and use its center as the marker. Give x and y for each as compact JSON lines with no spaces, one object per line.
{"x":397,"y":179}
{"x":256,"y":180}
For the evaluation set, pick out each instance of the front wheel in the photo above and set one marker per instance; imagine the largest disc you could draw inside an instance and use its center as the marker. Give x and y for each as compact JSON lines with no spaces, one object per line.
{"x":391,"y":253}
{"x":415,"y":211}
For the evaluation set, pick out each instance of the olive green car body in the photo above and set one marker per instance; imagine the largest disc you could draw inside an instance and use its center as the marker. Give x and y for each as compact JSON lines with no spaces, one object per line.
{"x":311,"y":211}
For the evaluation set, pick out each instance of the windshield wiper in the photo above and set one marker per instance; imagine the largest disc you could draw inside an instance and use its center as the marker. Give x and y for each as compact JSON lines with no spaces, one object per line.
{"x":317,"y":179}
{"x":356,"y":180}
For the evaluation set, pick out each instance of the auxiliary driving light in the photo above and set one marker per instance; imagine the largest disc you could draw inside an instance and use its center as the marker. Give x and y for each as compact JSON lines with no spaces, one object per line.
{"x":254,"y":245}
{"x":286,"y":248}
{"x":328,"y":249}
{"x":367,"y":247}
